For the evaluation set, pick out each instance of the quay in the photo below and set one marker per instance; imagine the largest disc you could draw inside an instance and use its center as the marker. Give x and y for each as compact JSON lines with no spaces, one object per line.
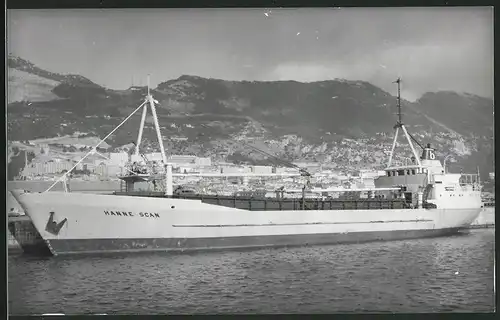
{"x":23,"y":237}
{"x":12,"y":246}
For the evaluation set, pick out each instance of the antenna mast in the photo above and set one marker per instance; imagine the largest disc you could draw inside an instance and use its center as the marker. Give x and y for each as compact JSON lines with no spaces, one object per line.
{"x":148,"y":86}
{"x":401,"y":125}
{"x":400,"y":116}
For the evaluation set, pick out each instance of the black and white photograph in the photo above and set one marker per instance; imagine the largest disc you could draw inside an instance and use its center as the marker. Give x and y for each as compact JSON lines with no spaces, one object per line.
{"x":217,"y":161}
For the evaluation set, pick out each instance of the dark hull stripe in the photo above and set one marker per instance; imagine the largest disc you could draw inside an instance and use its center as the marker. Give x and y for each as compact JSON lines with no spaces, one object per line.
{"x":38,"y":248}
{"x":92,"y":246}
{"x":289,"y":224}
{"x":481,"y":226}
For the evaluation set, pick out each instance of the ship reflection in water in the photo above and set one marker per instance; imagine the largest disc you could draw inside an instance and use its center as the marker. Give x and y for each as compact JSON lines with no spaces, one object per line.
{"x":450,"y":274}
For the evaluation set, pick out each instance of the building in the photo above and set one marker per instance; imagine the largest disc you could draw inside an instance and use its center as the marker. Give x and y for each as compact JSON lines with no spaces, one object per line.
{"x":203,"y":161}
{"x":178,"y":138}
{"x":154,"y":156}
{"x":185,"y":169}
{"x":234,"y":169}
{"x":118,"y":158}
{"x":136,"y":158}
{"x":286,"y":170}
{"x":85,"y":167}
{"x":370,"y":174}
{"x":101,"y":169}
{"x":114,"y":170}
{"x":182,"y":159}
{"x":262,"y":169}
{"x":43,"y":149}
{"x":51,"y":167}
{"x":492,"y":176}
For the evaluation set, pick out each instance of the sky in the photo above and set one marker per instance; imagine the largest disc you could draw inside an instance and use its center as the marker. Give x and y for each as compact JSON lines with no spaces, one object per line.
{"x":431,"y":49}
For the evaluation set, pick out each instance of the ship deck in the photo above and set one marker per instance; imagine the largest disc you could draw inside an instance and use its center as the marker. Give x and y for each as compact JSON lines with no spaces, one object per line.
{"x":275,"y":204}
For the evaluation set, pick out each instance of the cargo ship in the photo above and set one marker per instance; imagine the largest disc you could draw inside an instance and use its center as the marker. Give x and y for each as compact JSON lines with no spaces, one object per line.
{"x":415,"y":200}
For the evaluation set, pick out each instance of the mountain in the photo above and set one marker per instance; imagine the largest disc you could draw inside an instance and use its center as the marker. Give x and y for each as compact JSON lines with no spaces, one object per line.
{"x":335,"y":121}
{"x":462,"y":112}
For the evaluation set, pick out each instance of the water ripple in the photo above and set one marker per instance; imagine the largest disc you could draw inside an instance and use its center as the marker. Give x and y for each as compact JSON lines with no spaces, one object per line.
{"x":424,"y":275}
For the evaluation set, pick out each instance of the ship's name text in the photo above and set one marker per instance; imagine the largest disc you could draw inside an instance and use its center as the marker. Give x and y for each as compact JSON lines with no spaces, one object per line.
{"x":130,"y":214}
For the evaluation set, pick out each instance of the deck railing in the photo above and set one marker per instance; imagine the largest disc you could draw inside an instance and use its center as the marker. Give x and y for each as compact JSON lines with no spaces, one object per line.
{"x":471,"y":179}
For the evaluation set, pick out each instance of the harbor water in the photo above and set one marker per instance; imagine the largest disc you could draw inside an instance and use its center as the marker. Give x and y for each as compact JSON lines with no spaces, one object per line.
{"x":448,"y":274}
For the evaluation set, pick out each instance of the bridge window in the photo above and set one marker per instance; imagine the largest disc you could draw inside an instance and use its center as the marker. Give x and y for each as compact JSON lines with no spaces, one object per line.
{"x":388,"y":173}
{"x":413,"y":171}
{"x":401,"y":172}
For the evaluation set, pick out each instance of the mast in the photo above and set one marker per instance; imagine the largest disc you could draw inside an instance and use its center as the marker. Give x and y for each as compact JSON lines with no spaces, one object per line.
{"x":168,"y":166}
{"x":141,"y":129}
{"x":157,"y":125}
{"x":478,"y":176}
{"x":400,"y":124}
{"x":151,"y":101}
{"x":400,"y":117}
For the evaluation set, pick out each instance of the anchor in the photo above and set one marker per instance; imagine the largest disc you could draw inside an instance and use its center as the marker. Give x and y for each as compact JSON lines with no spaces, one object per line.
{"x":52,"y":226}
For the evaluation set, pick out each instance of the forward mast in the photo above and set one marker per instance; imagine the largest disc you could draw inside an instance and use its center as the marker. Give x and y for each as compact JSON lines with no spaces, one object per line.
{"x":149,"y":100}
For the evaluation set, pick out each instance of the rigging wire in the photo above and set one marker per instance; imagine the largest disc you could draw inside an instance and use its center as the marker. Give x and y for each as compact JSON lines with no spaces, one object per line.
{"x":95,"y":147}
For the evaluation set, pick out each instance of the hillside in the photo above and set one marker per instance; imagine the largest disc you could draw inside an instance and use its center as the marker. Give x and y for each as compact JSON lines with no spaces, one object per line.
{"x":461,"y":112}
{"x":24,"y":86}
{"x":339,"y":121}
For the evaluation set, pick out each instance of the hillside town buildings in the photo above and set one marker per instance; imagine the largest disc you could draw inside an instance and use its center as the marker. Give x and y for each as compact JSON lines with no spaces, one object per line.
{"x":108,"y":166}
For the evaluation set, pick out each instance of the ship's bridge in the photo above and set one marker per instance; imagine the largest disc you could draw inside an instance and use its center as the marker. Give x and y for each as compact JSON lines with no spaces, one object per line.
{"x":428,"y":161}
{"x":414,"y":176}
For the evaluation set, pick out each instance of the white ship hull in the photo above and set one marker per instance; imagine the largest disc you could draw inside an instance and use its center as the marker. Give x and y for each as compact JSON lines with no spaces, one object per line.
{"x":108,"y":223}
